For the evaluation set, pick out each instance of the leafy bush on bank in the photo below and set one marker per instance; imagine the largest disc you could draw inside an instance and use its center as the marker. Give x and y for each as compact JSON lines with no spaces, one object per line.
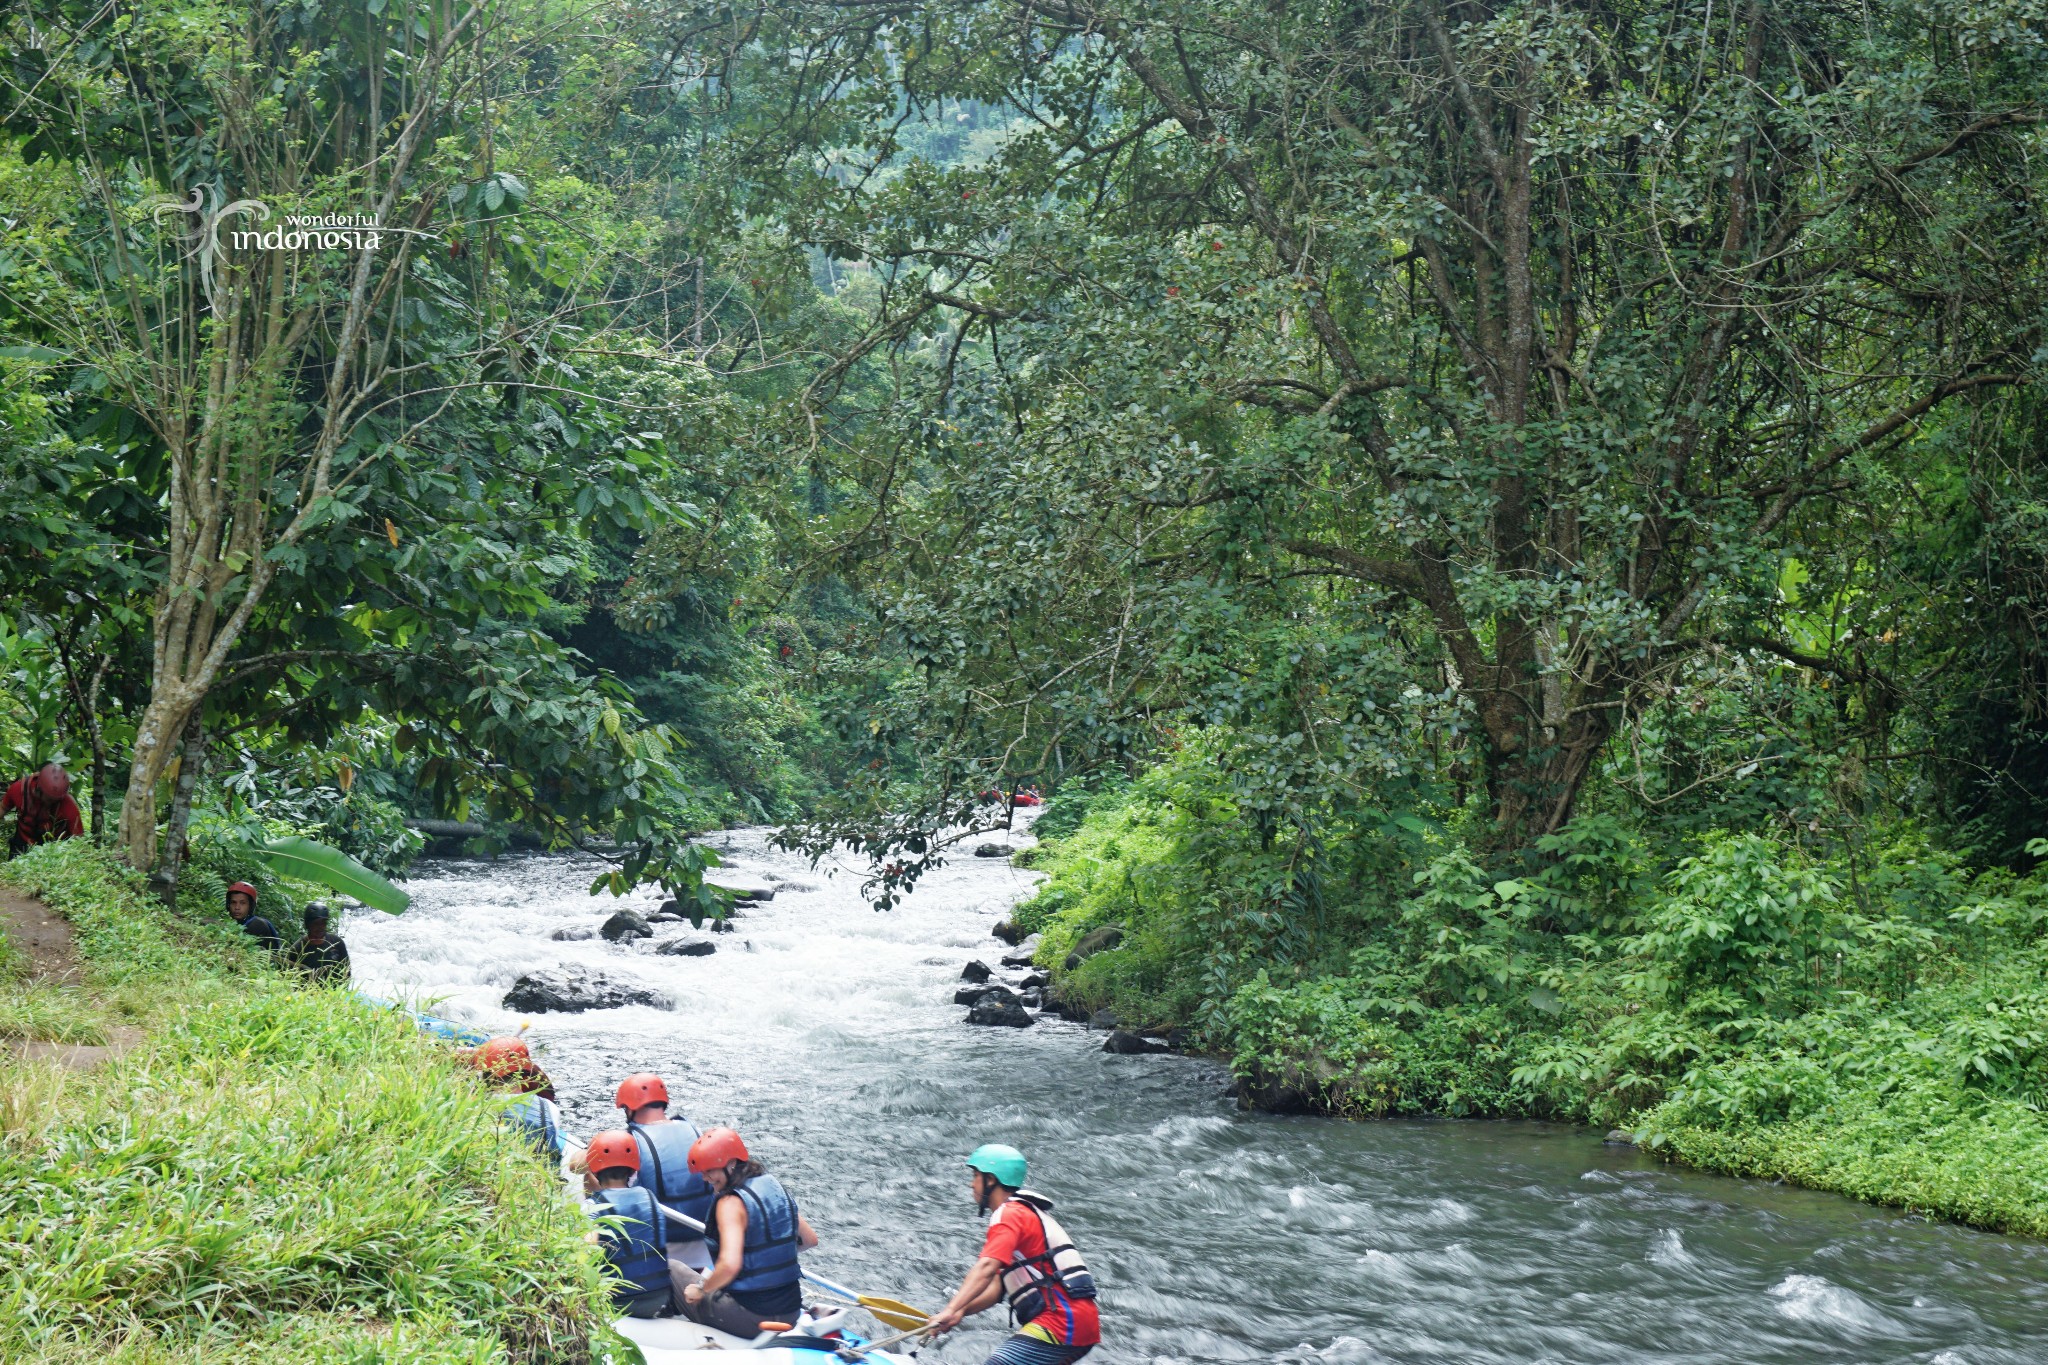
{"x":276,"y":1173}
{"x":1876,"y":1024}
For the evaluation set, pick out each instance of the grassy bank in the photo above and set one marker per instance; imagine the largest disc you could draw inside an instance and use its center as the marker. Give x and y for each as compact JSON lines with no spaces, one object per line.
{"x":273,"y":1174}
{"x":1874,"y":1024}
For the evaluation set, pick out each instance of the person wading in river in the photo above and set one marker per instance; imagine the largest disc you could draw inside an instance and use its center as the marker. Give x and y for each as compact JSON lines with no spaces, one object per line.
{"x":754,"y":1234}
{"x":665,"y":1172}
{"x":1028,"y":1258}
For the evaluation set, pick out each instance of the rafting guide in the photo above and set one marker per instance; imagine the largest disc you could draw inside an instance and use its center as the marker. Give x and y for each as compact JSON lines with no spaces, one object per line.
{"x":1028,"y":1259}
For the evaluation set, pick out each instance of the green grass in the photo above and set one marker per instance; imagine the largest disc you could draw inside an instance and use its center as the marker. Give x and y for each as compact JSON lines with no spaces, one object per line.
{"x":275,"y":1174}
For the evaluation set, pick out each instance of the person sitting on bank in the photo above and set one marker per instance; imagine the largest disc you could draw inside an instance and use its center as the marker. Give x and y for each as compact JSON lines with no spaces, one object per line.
{"x":242,"y":910}
{"x":320,"y":957}
{"x":665,"y":1173}
{"x":634,"y":1238}
{"x":507,"y":1064}
{"x":42,"y":808}
{"x":754,"y":1234}
{"x":1027,"y":1257}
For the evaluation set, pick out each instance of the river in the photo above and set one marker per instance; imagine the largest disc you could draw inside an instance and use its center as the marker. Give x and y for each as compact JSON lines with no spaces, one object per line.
{"x":825,"y":1033}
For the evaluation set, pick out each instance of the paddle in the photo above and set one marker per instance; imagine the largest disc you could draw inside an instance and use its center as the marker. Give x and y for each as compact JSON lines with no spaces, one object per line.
{"x":852,"y":1352}
{"x":895,"y":1312}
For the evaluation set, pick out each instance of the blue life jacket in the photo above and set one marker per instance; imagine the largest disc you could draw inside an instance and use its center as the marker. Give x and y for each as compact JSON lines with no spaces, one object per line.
{"x":665,"y":1168}
{"x":539,"y":1122}
{"x":637,"y":1246}
{"x":768,"y":1258}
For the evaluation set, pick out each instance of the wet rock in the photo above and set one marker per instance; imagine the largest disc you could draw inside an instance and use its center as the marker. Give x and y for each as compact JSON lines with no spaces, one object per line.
{"x":574,"y":990}
{"x":1021,"y":958}
{"x":689,"y":945}
{"x":1180,"y":1039}
{"x":1064,"y":1009}
{"x":1103,"y":1019}
{"x":719,"y":926}
{"x":1035,"y":981}
{"x":1093,"y":942}
{"x":624,"y":925}
{"x":744,"y":894}
{"x":975,"y":971}
{"x":1000,"y":1013}
{"x":1032,"y":998}
{"x":1619,"y":1137}
{"x":580,"y":932}
{"x":1128,"y":1044}
{"x":782,"y":884}
{"x":975,"y":995}
{"x":1007,"y":932}
{"x":993,"y":850}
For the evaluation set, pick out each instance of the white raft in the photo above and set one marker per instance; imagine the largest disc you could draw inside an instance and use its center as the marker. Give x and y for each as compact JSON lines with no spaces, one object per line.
{"x":676,"y":1341}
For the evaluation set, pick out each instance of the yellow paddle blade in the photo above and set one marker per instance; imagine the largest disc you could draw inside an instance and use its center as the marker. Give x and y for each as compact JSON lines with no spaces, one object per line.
{"x":895,"y":1312}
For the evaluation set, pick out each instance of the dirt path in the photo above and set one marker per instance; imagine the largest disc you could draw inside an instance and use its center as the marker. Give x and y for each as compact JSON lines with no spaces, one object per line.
{"x":44,"y":937}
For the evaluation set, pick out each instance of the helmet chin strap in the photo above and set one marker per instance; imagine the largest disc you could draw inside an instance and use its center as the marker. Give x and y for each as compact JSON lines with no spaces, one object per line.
{"x":981,"y":1184}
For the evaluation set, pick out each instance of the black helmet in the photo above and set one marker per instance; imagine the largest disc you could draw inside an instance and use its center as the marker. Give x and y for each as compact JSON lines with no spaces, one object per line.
{"x":318,"y":913}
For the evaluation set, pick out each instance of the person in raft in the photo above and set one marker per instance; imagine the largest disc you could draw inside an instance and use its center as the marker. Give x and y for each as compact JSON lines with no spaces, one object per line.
{"x":754,"y":1235}
{"x":633,"y":1235}
{"x":1028,"y":1258}
{"x":242,"y":910}
{"x":665,"y":1173}
{"x":320,"y":957}
{"x":507,"y":1064}
{"x":42,"y":808}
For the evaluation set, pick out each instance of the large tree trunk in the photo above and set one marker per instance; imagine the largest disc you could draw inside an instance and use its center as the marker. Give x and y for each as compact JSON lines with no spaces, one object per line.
{"x":191,"y":762}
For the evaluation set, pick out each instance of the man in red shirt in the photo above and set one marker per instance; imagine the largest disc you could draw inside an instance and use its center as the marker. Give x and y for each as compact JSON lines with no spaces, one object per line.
{"x":43,"y":809}
{"x":1027,"y":1258}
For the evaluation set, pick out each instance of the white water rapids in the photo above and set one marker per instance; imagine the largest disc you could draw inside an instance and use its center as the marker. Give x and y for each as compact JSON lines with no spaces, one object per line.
{"x":826,"y":1033}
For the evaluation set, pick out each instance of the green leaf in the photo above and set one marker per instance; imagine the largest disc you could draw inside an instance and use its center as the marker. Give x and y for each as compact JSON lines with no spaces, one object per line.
{"x":312,"y":861}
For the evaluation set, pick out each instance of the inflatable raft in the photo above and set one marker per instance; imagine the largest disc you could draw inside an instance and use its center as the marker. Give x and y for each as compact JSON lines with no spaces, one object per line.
{"x":820,"y":1339}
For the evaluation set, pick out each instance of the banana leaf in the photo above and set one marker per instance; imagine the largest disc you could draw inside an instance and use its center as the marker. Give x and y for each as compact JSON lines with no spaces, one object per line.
{"x":311,"y":861}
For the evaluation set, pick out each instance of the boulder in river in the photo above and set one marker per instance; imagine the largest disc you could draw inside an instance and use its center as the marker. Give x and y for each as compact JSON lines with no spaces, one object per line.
{"x":574,"y":990}
{"x":1035,"y":981}
{"x":1093,"y":942}
{"x":1007,"y":932}
{"x":572,"y":935}
{"x":1004,"y":1011}
{"x":1032,"y":998}
{"x":744,"y":894}
{"x":975,"y":971}
{"x":689,"y":945}
{"x":626,"y":924}
{"x":1130,"y":1044}
{"x":975,"y":995}
{"x":1619,"y":1137}
{"x":1021,"y":958}
{"x":1104,"y":1018}
{"x":993,"y":850}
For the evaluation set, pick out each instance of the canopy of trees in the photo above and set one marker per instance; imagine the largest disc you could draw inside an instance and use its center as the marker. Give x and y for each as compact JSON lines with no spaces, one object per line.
{"x":1473,"y":415}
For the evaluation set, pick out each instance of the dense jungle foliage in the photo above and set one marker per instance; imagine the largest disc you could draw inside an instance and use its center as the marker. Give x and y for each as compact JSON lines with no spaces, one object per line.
{"x":1512,"y":534}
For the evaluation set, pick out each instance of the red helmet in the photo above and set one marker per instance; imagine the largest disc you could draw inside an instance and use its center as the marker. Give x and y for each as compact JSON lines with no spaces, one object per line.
{"x":713,"y":1150}
{"x":53,"y":782}
{"x":500,"y":1050}
{"x":610,"y":1150}
{"x":639,"y":1090}
{"x":245,"y":889}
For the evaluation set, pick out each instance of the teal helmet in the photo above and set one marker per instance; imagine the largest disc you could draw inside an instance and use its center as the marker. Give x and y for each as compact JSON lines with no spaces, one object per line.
{"x":1006,"y":1164}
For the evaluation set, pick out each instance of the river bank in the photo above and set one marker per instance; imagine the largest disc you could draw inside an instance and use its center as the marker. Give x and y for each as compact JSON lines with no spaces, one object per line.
{"x":826,"y":1032}
{"x":268,"y":1173}
{"x":1879,"y":1032}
